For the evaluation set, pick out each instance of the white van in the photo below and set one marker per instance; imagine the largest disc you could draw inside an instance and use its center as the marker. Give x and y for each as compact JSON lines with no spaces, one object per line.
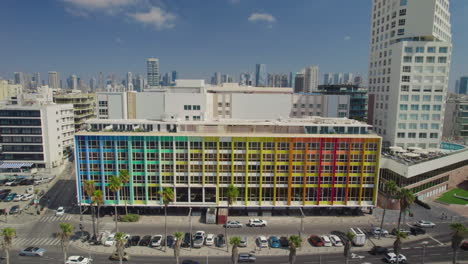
{"x":359,"y":237}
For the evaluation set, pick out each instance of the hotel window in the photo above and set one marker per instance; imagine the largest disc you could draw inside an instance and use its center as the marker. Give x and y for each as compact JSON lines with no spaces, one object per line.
{"x":187,"y":107}
{"x":411,"y":135}
{"x":327,"y":157}
{"x":283,"y":146}
{"x":401,"y":31}
{"x":196,"y":156}
{"x":138,"y":168}
{"x":414,"y":107}
{"x":268,"y":157}
{"x":357,"y":146}
{"x":434,"y":135}
{"x":369,"y":169}
{"x":282,"y":157}
{"x":431,"y":49}
{"x":137,"y":156}
{"x":196,"y":107}
{"x":403,"y":107}
{"x":328,"y":146}
{"x":299,"y":157}
{"x":405,"y":78}
{"x":436,"y":117}
{"x":407,"y":59}
{"x":406,"y":68}
{"x":423,"y":126}
{"x":343,"y":146}
{"x":166,"y":145}
{"x":152,"y":168}
{"x":443,"y":50}
{"x":426,"y":98}
{"x":436,"y":107}
{"x":151,"y":144}
{"x":371,"y":146}
{"x":181,"y":145}
{"x":166,"y":156}
{"x":196,"y":145}
{"x":314,"y":146}
{"x":419,"y":59}
{"x":419,"y":49}
{"x":225,"y":145}
{"x":212,"y":156}
{"x":254,"y":145}
{"x":239,"y":157}
{"x":299,"y":146}
{"x":412,"y":126}
{"x":210,"y":145}
{"x":356,"y":158}
{"x":438,"y":98}
{"x":408,"y":49}
{"x":434,"y":126}
{"x":413,"y":116}
{"x":430,"y":59}
{"x":442,"y":59}
{"x":405,"y":88}
{"x":422,"y":135}
{"x":123,"y":156}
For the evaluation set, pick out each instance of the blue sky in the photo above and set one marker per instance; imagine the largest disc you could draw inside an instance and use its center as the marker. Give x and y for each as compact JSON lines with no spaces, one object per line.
{"x":195,"y":37}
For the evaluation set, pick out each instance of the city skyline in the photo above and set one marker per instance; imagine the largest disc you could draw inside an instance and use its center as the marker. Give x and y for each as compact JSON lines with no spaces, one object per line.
{"x":198,"y":61}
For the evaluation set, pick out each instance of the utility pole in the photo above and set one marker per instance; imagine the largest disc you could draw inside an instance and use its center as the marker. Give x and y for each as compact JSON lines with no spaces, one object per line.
{"x":190,"y":220}
{"x":302,"y":223}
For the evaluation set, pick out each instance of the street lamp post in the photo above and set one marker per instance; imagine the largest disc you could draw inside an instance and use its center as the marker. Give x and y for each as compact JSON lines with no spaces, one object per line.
{"x":190,"y":217}
{"x":424,"y":250}
{"x":302,"y":223}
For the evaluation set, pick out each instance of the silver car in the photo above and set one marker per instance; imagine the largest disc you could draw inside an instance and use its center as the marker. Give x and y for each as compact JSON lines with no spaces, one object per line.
{"x":32,"y":252}
{"x":243,"y":242}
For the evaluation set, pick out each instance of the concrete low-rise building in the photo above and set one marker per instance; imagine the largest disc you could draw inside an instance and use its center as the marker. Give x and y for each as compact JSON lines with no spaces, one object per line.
{"x":84,"y":106}
{"x":456,"y":118}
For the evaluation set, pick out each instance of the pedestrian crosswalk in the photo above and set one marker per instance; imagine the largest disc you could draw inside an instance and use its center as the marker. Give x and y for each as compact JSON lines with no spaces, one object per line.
{"x":36,"y":241}
{"x":53,"y":218}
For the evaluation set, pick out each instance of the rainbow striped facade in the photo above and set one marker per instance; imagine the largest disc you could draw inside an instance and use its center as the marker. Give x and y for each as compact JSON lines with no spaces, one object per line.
{"x":274,"y":170}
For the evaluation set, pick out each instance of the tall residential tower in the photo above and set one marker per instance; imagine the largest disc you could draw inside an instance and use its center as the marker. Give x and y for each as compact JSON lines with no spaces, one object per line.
{"x":54,"y":79}
{"x":152,"y":67}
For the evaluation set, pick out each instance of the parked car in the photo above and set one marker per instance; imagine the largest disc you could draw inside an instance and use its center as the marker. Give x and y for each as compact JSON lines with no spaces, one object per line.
{"x":26,"y":182}
{"x":5,"y":191}
{"x":233,"y":224}
{"x":326,"y":241}
{"x":220,"y":241}
{"x":243,"y":242}
{"x":2,"y":182}
{"x":109,"y":241}
{"x":392,"y":258}
{"x":417,"y":231}
{"x":209,"y":240}
{"x":199,"y":239}
{"x":377,"y":231}
{"x":18,"y":198}
{"x":27,"y":197}
{"x":274,"y":242}
{"x":246,"y":257}
{"x":284,"y":241}
{"x":32,"y":252}
{"x":262,"y":242}
{"x":316,"y":241}
{"x":464,"y":245}
{"x":378,"y":250}
{"x":257,"y":223}
{"x":79,"y":260}
{"x":9,"y":197}
{"x":14,"y":209}
{"x":60,"y":211}
{"x":336,"y":241}
{"x":407,"y":232}
{"x":145,"y":241}
{"x":133,"y":241}
{"x":187,"y":240}
{"x":115,"y":256}
{"x":170,"y":241}
{"x":156,"y":241}
{"x":40,"y":180}
{"x":10,"y":182}
{"x":424,"y":223}
{"x":3,"y":196}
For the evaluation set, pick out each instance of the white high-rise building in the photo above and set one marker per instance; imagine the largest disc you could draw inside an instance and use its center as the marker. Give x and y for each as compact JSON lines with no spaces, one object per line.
{"x":409,"y":66}
{"x":311,"y":79}
{"x":54,"y":79}
{"x":152,"y":70}
{"x":129,"y":83}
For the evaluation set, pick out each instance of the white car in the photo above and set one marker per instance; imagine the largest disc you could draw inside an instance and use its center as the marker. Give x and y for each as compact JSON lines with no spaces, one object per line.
{"x":60,"y":211}
{"x":233,"y":224}
{"x":257,"y":223}
{"x":423,"y":223}
{"x":243,"y":242}
{"x":326,"y":241}
{"x":156,"y":241}
{"x":336,"y":241}
{"x":262,"y":242}
{"x":209,"y":240}
{"x":392,"y":258}
{"x":27,"y":197}
{"x":109,"y":241}
{"x":78,"y":260}
{"x":376,"y":231}
{"x":18,"y":198}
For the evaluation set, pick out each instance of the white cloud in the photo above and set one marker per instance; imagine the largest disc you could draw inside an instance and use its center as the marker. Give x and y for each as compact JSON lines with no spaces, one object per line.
{"x":347,"y":38}
{"x":100,"y":4}
{"x":156,"y":17}
{"x":254,"y":17}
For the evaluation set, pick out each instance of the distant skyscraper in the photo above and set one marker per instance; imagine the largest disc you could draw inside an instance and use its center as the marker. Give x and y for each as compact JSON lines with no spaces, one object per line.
{"x":225,"y":78}
{"x":311,"y":79}
{"x":216,"y":79}
{"x":166,"y":79}
{"x":54,"y":79}
{"x":260,"y":75}
{"x":174,"y":76}
{"x":457,"y":86}
{"x":129,"y":84}
{"x":292,"y":79}
{"x":463,"y":86}
{"x":37,"y":79}
{"x":152,"y":69}
{"x":73,"y":82}
{"x":299,"y":83}
{"x":338,"y":78}
{"x":19,"y":78}
{"x":139,"y":85}
{"x":92,"y":84}
{"x":101,"y":84}
{"x":348,"y":78}
{"x":328,"y":78}
{"x":358,"y":80}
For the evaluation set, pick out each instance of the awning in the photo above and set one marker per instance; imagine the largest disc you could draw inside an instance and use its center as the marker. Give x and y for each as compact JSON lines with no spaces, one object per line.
{"x":15,"y":165}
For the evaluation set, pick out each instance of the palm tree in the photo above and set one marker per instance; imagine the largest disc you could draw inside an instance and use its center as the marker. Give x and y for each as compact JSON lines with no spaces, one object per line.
{"x":348,"y":245}
{"x":178,"y":237}
{"x":8,"y":234}
{"x":89,"y":189}
{"x":66,"y":230}
{"x":232,"y":193}
{"x":397,"y":244}
{"x":295,"y":241}
{"x":125,"y":178}
{"x":115,"y":184}
{"x":98,"y":199}
{"x":407,"y":198}
{"x":390,"y":189}
{"x":119,"y":245}
{"x":167,"y":195}
{"x":235,"y":242}
{"x":459,"y":231}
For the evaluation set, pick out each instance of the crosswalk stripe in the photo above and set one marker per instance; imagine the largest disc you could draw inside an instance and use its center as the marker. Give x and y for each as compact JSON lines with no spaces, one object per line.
{"x":42,"y":241}
{"x":55,"y":242}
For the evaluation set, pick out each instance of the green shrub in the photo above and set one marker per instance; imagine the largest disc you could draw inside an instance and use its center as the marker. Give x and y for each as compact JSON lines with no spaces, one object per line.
{"x":130,"y":218}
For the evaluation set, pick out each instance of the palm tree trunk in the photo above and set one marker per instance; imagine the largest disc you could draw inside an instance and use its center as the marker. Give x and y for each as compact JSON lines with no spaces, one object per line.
{"x":399,"y":219}
{"x":292,"y":255}
{"x":64,"y":250}
{"x":383,"y":217}
{"x":225,"y":228}
{"x":115,"y":214}
{"x":126,"y":209}
{"x":234,"y":254}
{"x":97,"y":219}
{"x":454,"y":257}
{"x":7,"y":255}
{"x":93,"y":212}
{"x":165,"y":227}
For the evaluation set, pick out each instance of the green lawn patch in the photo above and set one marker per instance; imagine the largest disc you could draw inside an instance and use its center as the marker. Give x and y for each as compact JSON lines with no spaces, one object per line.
{"x":449,"y":198}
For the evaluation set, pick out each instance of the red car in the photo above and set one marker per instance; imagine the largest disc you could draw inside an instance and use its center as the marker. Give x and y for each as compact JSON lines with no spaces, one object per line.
{"x":464,"y":245}
{"x":316,"y":241}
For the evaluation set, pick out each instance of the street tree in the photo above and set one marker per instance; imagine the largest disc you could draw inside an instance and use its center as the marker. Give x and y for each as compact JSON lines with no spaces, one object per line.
{"x":407,"y":198}
{"x":295,"y":242}
{"x":98,"y":199}
{"x":178,"y":240}
{"x":399,"y":236}
{"x":89,"y":189}
{"x":66,"y":230}
{"x":125,"y":178}
{"x":232,"y":194}
{"x":167,"y":196}
{"x":459,"y":232}
{"x":8,"y":234}
{"x":119,"y":245}
{"x":235,"y":242}
{"x":348,"y":243}
{"x":115,"y":184}
{"x":390,"y":190}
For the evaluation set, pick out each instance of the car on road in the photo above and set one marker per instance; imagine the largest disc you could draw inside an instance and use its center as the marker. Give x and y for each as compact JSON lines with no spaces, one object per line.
{"x":220,"y":241}
{"x":417,"y":231}
{"x":464,"y":245}
{"x":326,"y":241}
{"x":170,"y":240}
{"x":243,"y":242}
{"x":32,"y":252}
{"x":9,"y":197}
{"x":199,"y":239}
{"x":233,"y":224}
{"x":407,"y":232}
{"x":246,"y":257}
{"x":262,"y":242}
{"x":257,"y":223}
{"x":209,"y":240}
{"x":284,"y":241}
{"x":315,"y":241}
{"x":27,"y":197}
{"x":274,"y":242}
{"x":377,"y":231}
{"x":189,"y":261}
{"x":145,"y":241}
{"x":336,"y":241}
{"x":392,"y":258}
{"x":424,"y":223}
{"x":378,"y":250}
{"x":115,"y":256}
{"x":78,"y":260}
{"x":14,"y":209}
{"x":187,"y":240}
{"x":60,"y":211}
{"x":133,"y":241}
{"x":156,"y":241}
{"x":109,"y":241}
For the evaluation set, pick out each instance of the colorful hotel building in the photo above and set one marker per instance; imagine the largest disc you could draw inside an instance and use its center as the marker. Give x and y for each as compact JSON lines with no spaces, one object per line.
{"x":330,"y":162}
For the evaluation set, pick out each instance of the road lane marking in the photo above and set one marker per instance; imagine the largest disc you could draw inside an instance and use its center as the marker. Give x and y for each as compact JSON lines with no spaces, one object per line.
{"x":436,"y":240}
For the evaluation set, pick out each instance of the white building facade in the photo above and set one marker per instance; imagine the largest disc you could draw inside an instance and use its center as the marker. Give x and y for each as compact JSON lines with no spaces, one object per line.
{"x":409,"y":66}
